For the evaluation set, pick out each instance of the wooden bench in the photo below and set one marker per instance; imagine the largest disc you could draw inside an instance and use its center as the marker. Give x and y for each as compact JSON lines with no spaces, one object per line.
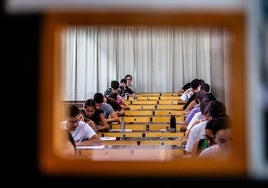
{"x":168,"y":112}
{"x":139,"y":112}
{"x":144,"y":102}
{"x":143,"y":134}
{"x":169,"y":107}
{"x":142,"y":107}
{"x":167,"y":102}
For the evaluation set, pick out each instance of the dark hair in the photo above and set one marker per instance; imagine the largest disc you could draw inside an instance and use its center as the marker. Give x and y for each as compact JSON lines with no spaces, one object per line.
{"x":215,"y":108}
{"x":199,"y":96}
{"x":123,"y":81}
{"x":203,"y":104}
{"x":114,"y":84}
{"x":205,"y":87}
{"x":90,"y":102}
{"x":128,"y":75}
{"x":113,"y":96}
{"x":72,"y":111}
{"x":195,"y":83}
{"x":218,"y":123}
{"x":201,"y":81}
{"x":98,"y":97}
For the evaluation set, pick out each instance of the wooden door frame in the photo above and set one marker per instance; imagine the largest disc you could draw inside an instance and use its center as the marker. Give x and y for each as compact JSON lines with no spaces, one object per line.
{"x":50,"y":88}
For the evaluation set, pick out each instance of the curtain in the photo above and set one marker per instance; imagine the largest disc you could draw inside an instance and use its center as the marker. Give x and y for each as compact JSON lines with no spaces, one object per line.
{"x":160,"y":59}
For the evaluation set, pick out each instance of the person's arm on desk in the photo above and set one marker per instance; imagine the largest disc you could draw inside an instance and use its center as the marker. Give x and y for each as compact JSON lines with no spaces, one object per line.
{"x":94,"y":141}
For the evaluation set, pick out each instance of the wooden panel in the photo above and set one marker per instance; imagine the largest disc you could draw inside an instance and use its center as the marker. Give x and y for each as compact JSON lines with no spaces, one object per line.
{"x":169,"y":94}
{"x":140,"y":107}
{"x":169,"y":98}
{"x":164,"y":134}
{"x":143,"y":134}
{"x":161,"y":119}
{"x":168,"y":102}
{"x":138,"y":112}
{"x":121,"y":134}
{"x":148,"y":98}
{"x":133,"y":127}
{"x":145,"y":102}
{"x":49,"y":162}
{"x":144,"y":127}
{"x":166,"y":119}
{"x":158,"y":127}
{"x":133,"y":153}
{"x":149,"y":95}
{"x":170,"y":106}
{"x":168,"y":112}
{"x":141,"y":142}
{"x":136,"y":119}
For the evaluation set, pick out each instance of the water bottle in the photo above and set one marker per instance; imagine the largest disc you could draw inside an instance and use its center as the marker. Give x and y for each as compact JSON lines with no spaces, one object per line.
{"x":172,"y":123}
{"x":122,"y":125}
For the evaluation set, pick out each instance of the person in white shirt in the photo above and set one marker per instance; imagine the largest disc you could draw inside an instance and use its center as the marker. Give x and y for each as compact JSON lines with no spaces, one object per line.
{"x":81,"y":133}
{"x":213,"y":109}
{"x":195,"y":87}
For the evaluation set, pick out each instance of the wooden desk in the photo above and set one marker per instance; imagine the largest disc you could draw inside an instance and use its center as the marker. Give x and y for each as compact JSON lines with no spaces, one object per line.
{"x":145,"y":126}
{"x":133,"y":153}
{"x":142,"y":134}
{"x":135,"y":141}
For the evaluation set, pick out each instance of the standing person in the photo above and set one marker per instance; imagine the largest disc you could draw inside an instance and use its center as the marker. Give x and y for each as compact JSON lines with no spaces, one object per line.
{"x":109,"y":113}
{"x":82,"y":134}
{"x":129,"y":84}
{"x":94,"y":117}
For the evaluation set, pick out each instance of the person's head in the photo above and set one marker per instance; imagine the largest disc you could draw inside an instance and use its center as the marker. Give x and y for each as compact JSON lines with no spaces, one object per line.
{"x":195,"y":85}
{"x":203,"y":104}
{"x":201,"y":81}
{"x":128,"y":78}
{"x":99,"y":99}
{"x":200,"y":95}
{"x":73,"y":116}
{"x":89,"y":107}
{"x":215,"y":109}
{"x":114,"y":85}
{"x":123,"y":82}
{"x":113,"y":96}
{"x":213,"y":126}
{"x":205,"y":87}
{"x":221,"y":130}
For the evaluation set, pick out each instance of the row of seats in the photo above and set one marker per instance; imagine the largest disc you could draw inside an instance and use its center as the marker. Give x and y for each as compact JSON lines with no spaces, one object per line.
{"x":148,"y":120}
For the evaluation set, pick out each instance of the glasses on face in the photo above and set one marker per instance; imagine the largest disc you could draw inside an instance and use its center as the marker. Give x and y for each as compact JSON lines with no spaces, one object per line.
{"x":128,"y":79}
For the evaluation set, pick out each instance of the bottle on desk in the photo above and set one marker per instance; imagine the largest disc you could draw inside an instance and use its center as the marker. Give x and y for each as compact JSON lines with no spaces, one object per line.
{"x":172,"y":123}
{"x":122,"y":124}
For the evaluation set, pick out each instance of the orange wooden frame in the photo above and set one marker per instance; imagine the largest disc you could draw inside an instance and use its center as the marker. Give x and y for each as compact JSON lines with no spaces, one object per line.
{"x":50,"y":88}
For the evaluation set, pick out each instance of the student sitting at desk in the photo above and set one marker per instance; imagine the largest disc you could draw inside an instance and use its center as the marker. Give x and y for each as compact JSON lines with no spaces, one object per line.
{"x":80,"y":131}
{"x":94,"y":117}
